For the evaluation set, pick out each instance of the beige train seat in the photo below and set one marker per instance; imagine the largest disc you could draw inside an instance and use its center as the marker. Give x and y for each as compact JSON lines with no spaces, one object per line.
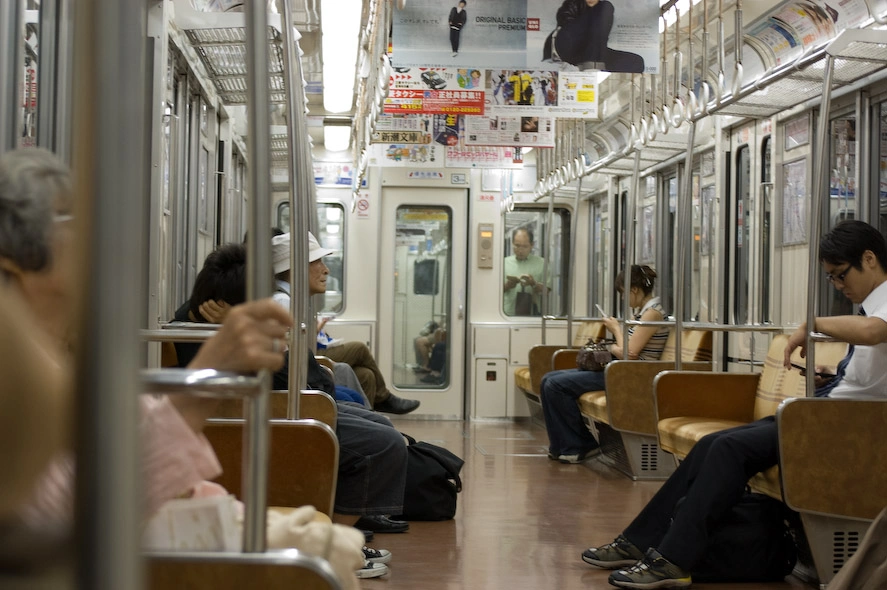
{"x":623,"y":418}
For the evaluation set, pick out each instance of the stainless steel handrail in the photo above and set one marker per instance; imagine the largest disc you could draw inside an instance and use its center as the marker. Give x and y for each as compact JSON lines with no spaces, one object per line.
{"x":685,"y":225}
{"x":200,"y":383}
{"x":111,"y":189}
{"x":257,"y":435}
{"x":176,"y":335}
{"x":189,"y":326}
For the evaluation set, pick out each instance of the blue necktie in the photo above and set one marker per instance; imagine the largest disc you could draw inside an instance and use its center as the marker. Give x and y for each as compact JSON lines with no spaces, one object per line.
{"x":841,"y":370}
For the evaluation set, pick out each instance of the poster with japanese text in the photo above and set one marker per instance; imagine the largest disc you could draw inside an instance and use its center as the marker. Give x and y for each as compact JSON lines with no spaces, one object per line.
{"x":445,"y":91}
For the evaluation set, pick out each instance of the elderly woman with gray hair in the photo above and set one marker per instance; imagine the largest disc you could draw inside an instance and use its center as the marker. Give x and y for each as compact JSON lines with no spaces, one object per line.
{"x":37,"y":249}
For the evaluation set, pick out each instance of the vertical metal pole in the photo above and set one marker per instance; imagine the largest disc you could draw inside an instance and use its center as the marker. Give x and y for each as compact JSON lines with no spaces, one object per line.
{"x":630,"y":213}
{"x":579,"y":133}
{"x":64,"y":79}
{"x":108,"y":164}
{"x":48,"y":59}
{"x":255,"y":455}
{"x":295,"y":107}
{"x":12,"y":68}
{"x":685,"y":227}
{"x":820,"y":190}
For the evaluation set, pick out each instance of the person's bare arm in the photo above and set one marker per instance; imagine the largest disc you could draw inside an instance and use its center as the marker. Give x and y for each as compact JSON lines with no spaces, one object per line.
{"x":244,"y":343}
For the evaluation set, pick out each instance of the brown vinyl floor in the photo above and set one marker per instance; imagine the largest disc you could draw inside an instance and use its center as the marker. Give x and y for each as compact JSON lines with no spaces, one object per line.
{"x":523,"y":520}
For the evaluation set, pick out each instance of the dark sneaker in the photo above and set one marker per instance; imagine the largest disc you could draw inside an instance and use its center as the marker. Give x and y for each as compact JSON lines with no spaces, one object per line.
{"x":620,"y":553}
{"x":654,"y":571}
{"x":579,"y":457}
{"x":382,"y":524}
{"x":372,"y":570}
{"x":367,"y":535}
{"x":396,"y":405}
{"x":376,"y":555}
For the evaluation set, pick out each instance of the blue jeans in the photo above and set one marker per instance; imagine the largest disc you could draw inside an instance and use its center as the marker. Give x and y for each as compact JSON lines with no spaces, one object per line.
{"x":560,"y":390}
{"x":372,"y":463}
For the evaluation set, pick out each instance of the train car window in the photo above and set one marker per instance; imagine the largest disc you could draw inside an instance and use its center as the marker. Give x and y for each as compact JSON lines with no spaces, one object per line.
{"x":422,"y":296}
{"x":331,"y":232}
{"x":882,"y":169}
{"x":741,"y":235}
{"x":599,"y":261}
{"x":665,"y":263}
{"x":766,"y":227}
{"x":203,"y":188}
{"x":29,"y":96}
{"x":529,"y":244}
{"x":842,"y":194}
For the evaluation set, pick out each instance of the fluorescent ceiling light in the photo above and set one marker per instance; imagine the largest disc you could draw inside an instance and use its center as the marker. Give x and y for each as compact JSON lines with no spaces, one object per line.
{"x":336,"y":137}
{"x":341,"y":33}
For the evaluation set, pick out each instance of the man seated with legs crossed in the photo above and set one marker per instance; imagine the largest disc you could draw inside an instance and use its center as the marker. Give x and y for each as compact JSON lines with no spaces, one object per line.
{"x":660,"y":548}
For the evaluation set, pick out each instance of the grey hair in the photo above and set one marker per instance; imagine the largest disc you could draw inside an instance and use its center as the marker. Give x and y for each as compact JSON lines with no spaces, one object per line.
{"x":31,"y":179}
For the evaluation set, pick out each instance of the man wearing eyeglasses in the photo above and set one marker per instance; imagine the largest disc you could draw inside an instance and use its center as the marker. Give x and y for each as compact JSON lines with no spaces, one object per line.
{"x":660,"y":548}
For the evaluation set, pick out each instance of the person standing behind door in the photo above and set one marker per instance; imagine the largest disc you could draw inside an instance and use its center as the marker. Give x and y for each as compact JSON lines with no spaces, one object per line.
{"x":458,"y":18}
{"x":523,"y":275}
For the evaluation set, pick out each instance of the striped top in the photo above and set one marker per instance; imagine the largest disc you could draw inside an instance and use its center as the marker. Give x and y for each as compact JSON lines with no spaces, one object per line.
{"x":656,"y":344}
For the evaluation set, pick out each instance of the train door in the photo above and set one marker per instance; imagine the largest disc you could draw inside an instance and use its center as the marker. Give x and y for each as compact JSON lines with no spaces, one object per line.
{"x":422,"y":295}
{"x":750,"y":245}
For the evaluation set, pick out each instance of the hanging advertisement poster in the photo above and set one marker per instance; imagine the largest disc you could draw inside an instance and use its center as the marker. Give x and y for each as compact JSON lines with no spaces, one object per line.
{"x":447,"y":91}
{"x":405,"y":139}
{"x":542,"y":93}
{"x":529,"y":131}
{"x":531,"y":34}
{"x":572,"y":35}
{"x":778,"y":39}
{"x":442,"y":144}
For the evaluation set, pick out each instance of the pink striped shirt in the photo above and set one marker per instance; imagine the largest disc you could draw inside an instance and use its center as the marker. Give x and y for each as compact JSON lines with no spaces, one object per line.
{"x":175,"y":460}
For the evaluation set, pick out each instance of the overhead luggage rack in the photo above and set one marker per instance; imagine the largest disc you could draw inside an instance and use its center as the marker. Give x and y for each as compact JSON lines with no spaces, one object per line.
{"x":798,"y":82}
{"x":223,"y":53}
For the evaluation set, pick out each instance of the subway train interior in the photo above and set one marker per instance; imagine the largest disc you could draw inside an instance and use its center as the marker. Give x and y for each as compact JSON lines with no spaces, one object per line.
{"x":468,"y":254}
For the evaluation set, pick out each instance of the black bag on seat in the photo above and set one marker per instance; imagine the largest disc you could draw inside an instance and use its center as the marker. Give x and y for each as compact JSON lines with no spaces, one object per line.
{"x":751,"y":543}
{"x":432,"y":482}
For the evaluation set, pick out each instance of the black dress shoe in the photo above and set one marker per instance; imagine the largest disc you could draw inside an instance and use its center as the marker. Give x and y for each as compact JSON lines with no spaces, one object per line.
{"x":382,"y":524}
{"x":396,"y":405}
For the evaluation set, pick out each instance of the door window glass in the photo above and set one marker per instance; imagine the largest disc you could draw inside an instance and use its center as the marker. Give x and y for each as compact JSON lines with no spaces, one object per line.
{"x":422,"y":296}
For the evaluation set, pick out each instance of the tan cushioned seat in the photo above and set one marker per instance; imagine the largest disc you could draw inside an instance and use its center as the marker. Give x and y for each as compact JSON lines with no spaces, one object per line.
{"x":594,"y":405}
{"x":678,"y":435}
{"x":522,"y":378}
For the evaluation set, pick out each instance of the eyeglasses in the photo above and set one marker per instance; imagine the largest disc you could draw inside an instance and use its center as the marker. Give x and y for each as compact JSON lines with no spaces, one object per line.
{"x":838,"y":278}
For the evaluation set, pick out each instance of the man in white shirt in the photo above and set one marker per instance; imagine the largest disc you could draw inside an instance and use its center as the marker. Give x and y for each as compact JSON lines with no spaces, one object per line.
{"x":660,"y":548}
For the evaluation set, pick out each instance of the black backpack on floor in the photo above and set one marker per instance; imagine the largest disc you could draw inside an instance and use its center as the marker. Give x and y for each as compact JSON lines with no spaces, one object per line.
{"x":432,"y":482}
{"x":750,"y":543}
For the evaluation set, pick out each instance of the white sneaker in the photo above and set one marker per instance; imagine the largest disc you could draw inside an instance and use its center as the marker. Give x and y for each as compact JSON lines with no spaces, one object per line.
{"x":579,"y":458}
{"x":372,"y":570}
{"x":376,"y":555}
{"x":455,"y":54}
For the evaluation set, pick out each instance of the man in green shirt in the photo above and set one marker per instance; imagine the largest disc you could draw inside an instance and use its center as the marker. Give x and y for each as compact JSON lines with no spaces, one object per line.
{"x":523,"y":274}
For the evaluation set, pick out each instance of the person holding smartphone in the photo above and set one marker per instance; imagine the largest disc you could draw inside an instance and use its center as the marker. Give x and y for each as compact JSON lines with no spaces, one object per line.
{"x":523,"y":276}
{"x":569,"y":439}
